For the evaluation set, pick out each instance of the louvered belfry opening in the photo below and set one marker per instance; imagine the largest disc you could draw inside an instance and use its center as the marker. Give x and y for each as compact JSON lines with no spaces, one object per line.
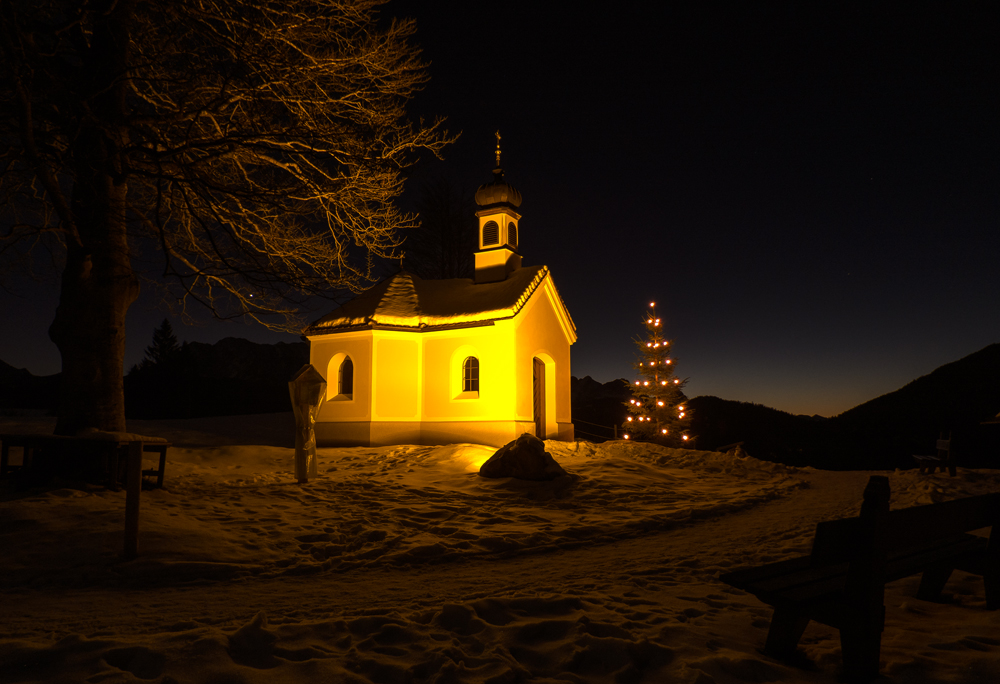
{"x":491,"y":234}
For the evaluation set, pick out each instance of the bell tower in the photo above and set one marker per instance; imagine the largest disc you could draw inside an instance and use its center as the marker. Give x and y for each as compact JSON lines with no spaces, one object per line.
{"x":499,"y":227}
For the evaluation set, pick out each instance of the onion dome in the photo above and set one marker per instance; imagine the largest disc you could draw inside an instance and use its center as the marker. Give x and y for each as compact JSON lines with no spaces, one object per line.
{"x":498,"y":192}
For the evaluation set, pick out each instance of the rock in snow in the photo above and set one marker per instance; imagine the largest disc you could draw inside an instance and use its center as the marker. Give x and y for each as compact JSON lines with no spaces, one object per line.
{"x":525,"y":458}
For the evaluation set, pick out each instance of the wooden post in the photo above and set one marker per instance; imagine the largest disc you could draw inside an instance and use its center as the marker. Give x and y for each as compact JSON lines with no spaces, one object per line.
{"x":301,"y":412}
{"x":4,"y":455}
{"x":163,"y":467}
{"x":133,"y":486}
{"x":787,"y":627}
{"x":864,"y":590}
{"x":991,"y":574}
{"x":307,"y":391}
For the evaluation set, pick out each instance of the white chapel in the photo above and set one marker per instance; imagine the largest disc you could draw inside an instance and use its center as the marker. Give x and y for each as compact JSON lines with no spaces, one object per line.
{"x":479,"y":360}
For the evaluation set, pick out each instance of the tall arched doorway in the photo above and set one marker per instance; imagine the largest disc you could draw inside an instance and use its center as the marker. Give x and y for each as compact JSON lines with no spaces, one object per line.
{"x":538,"y":395}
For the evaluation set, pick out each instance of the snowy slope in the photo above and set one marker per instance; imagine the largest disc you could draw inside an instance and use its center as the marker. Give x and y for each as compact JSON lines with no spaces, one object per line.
{"x":400,"y":564}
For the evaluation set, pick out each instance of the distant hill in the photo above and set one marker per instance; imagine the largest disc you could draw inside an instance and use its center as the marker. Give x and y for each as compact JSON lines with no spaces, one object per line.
{"x":598,"y":407}
{"x":231,"y":377}
{"x":19,"y":389}
{"x":955,"y":398}
{"x":717,"y":422}
{"x":883,"y":433}
{"x":766,"y":433}
{"x":236,"y":376}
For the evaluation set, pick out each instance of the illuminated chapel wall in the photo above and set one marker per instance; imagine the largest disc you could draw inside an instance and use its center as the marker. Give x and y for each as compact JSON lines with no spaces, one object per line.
{"x":444,"y":354}
{"x":396,"y":376}
{"x":358,"y":346}
{"x":540,"y":334}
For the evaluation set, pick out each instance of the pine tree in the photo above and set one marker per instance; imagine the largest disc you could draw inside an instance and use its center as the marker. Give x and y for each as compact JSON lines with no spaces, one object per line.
{"x":657,"y":410}
{"x":164,"y":346}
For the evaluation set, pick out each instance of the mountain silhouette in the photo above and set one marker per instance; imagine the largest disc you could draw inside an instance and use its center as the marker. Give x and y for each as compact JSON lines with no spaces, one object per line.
{"x":598,"y":408}
{"x":765,"y":432}
{"x":235,"y":376}
{"x":231,"y":377}
{"x":884,"y":433}
{"x":954,"y":399}
{"x":20,"y":389}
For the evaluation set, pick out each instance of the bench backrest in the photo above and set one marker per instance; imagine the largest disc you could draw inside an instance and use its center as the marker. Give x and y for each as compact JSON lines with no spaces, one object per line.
{"x":837,"y":541}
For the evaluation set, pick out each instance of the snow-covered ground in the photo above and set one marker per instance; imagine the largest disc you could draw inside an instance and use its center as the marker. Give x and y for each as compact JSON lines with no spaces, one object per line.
{"x":401,"y":564}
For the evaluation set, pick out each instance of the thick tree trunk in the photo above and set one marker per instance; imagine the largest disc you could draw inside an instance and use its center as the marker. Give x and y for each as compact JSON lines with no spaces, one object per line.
{"x":98,"y":286}
{"x":98,"y":283}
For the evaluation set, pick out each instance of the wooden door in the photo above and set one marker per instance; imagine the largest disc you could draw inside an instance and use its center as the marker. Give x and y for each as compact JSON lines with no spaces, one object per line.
{"x":538,"y":401}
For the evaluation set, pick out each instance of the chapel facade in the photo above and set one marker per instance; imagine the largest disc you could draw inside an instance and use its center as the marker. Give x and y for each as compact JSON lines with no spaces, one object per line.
{"x":479,"y":360}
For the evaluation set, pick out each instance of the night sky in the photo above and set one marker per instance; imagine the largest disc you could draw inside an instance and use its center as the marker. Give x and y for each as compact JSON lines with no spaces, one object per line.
{"x":810,"y":192}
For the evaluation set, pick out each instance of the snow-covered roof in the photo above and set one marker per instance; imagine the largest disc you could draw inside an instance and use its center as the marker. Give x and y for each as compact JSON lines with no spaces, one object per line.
{"x":408,"y":301}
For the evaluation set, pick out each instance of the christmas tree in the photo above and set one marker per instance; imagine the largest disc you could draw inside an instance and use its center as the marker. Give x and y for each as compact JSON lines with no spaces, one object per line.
{"x":657,"y":411}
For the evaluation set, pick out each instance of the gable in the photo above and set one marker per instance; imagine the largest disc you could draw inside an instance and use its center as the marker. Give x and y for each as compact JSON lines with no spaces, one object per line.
{"x":555,"y":313}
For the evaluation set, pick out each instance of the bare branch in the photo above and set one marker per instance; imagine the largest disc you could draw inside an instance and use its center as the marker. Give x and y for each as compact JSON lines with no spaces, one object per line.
{"x":264,"y":145}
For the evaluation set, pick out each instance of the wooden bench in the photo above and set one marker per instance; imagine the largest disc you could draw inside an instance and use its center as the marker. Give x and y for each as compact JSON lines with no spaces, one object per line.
{"x":842,"y":582}
{"x":944,"y":459}
{"x":110,"y":449}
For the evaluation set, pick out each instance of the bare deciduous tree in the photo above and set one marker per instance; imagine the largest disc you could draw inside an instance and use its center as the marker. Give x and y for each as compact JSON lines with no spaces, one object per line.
{"x":249,"y":152}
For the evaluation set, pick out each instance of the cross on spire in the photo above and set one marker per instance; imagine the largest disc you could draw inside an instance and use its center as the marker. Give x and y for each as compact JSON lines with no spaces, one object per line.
{"x":498,"y":148}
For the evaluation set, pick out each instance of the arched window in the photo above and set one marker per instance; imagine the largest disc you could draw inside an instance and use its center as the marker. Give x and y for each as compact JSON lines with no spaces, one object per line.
{"x":345,"y":377}
{"x":491,"y":233}
{"x":470,"y":375}
{"x":512,"y":234}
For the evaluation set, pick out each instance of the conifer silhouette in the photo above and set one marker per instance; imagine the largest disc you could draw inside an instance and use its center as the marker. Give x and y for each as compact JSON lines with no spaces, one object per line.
{"x":657,"y":410}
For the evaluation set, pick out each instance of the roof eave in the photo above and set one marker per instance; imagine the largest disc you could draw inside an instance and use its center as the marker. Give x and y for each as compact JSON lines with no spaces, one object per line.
{"x":404,"y":328}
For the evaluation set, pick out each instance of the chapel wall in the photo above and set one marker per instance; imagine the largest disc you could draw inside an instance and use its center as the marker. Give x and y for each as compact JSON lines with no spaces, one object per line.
{"x":540,"y":334}
{"x":444,"y":355}
{"x":322,"y":349}
{"x":396,"y":375}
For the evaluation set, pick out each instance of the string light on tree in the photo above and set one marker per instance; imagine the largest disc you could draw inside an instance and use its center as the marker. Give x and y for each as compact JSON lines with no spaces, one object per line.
{"x":656,"y":410}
